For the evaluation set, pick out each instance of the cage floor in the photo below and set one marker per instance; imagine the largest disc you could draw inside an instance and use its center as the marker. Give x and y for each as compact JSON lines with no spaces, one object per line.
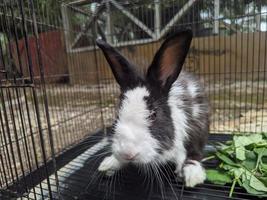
{"x":79,"y":179}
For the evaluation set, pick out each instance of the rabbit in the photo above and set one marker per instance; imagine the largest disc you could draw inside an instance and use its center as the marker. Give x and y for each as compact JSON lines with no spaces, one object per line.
{"x":163,"y":116}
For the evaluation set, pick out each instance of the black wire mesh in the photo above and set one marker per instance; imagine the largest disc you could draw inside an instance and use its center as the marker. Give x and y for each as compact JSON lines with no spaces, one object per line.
{"x":56,"y":88}
{"x":79,"y":179}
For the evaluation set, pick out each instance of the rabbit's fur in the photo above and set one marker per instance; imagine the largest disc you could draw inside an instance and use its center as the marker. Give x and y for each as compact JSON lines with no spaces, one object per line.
{"x":163,"y":116}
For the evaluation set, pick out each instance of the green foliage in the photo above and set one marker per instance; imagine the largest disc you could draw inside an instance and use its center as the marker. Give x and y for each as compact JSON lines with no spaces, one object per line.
{"x":218,"y":177}
{"x":243,"y":161}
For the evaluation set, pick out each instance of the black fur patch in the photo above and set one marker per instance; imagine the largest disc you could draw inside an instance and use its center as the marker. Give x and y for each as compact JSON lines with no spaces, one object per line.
{"x":161,"y":127}
{"x":124,"y":72}
{"x":168,"y":60}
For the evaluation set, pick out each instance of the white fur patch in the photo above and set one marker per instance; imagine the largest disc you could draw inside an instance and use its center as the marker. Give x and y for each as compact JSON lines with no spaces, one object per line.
{"x":109,"y":165}
{"x":196,"y":110}
{"x":178,"y":152}
{"x":132,"y":135}
{"x":194,"y":174}
{"x":176,"y":89}
{"x":133,"y":107}
{"x":192,"y":88}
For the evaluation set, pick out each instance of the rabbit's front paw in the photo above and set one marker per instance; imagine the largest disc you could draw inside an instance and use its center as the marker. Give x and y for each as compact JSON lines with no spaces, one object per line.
{"x":109,"y":165}
{"x":193,"y":173}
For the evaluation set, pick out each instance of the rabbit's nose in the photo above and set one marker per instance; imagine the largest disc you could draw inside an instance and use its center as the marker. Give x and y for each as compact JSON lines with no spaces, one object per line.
{"x":129,"y":156}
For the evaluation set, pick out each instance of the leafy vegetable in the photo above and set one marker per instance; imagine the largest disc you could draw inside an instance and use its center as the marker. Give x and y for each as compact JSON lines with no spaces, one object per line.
{"x":257,"y":184}
{"x":243,"y":162}
{"x":218,"y":177}
{"x":226,"y":159}
{"x":240,"y":153}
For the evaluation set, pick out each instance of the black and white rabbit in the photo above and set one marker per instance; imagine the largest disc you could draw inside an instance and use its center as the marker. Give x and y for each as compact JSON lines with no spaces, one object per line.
{"x":163,"y":116}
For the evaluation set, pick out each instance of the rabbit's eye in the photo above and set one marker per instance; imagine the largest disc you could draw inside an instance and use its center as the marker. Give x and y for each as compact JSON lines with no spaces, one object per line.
{"x":153,"y":115}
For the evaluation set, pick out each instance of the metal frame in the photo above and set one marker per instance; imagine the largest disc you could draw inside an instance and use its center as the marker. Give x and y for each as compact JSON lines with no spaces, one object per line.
{"x":31,"y":107}
{"x":155,"y":35}
{"x":178,"y":16}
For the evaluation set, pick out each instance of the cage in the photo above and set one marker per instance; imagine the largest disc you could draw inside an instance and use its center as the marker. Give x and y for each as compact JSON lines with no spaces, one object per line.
{"x":58,"y":96}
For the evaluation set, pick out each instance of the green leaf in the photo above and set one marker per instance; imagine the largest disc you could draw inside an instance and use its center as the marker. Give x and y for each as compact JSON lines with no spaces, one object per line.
{"x":264,"y":159}
{"x":251,"y":155}
{"x":226,"y":159}
{"x":261,"y":144}
{"x":263,"y":167}
{"x":250,"y":161}
{"x":251,"y":190}
{"x":218,"y":177}
{"x":238,"y":172}
{"x":241,"y":141}
{"x":240,"y":153}
{"x":227,"y":167}
{"x":246,"y":184}
{"x":249,"y":164}
{"x":257,"y":184}
{"x":227,"y":149}
{"x":263,"y":179}
{"x":247,"y":140}
{"x":261,"y":151}
{"x":243,"y":161}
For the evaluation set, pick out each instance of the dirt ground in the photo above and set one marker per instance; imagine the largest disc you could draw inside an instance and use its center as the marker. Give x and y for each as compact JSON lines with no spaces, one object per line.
{"x":238,"y":107}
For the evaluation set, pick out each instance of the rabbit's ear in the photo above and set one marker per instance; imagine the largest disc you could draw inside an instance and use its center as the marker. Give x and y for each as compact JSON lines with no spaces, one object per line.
{"x":168,"y":60}
{"x":122,"y":69}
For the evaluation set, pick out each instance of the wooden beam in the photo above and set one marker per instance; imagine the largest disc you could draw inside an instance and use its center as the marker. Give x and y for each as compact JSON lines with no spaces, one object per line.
{"x":81,"y":2}
{"x":230,"y":27}
{"x":66,"y":25}
{"x":133,"y":42}
{"x":133,"y":18}
{"x":258,"y":22}
{"x":88,"y":25}
{"x":109,"y":23}
{"x":216,"y":16}
{"x":79,"y":10}
{"x":118,"y":44}
{"x":157,"y":18}
{"x":178,"y":16}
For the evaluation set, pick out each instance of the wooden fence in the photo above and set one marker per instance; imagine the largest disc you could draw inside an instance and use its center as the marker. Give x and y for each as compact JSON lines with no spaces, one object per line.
{"x":239,"y":56}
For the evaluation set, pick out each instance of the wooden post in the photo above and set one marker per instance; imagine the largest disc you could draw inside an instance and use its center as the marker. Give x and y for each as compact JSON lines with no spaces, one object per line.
{"x":66,"y":26}
{"x":109,"y":23}
{"x":258,"y":22}
{"x":216,"y":16}
{"x":157,"y":18}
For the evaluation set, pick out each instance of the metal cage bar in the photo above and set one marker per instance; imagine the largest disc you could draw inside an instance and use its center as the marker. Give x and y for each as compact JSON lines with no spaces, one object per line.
{"x":58,"y":97}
